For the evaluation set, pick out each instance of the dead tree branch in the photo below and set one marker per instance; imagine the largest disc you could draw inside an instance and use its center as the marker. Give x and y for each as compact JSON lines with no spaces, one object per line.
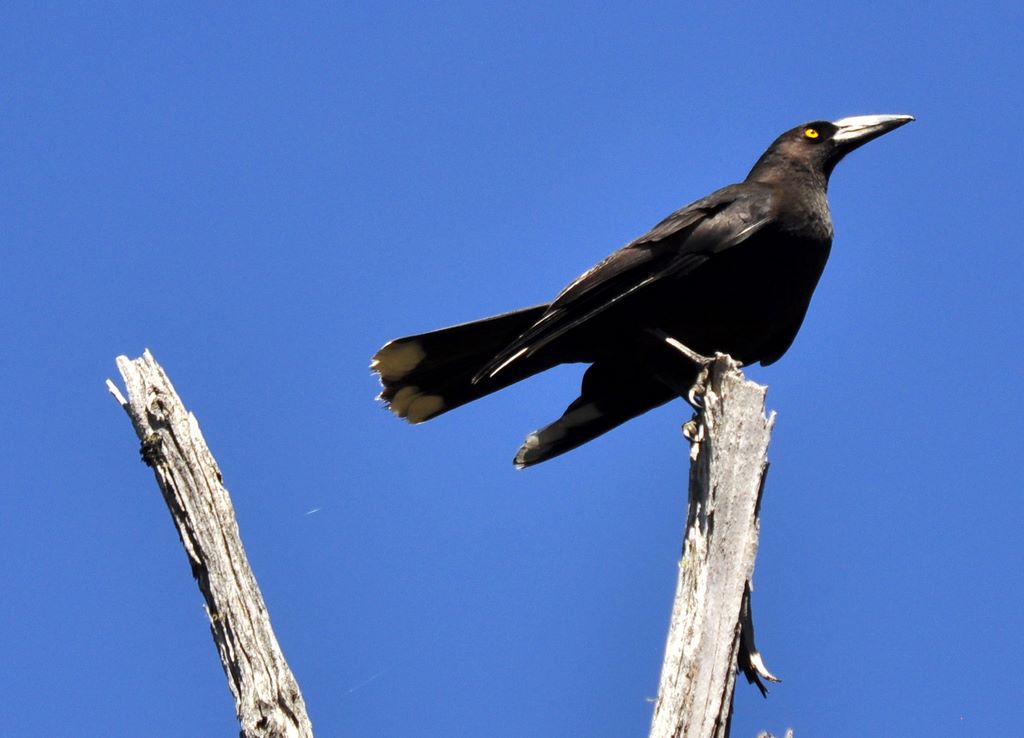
{"x":267,"y":697}
{"x":711,"y":630}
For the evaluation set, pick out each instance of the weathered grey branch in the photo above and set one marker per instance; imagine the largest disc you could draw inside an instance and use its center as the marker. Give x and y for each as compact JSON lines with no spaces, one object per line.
{"x":267,"y":697}
{"x":711,"y":629}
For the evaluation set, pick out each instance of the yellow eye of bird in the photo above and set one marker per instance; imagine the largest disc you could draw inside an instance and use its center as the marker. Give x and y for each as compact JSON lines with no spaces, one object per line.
{"x":811,"y":133}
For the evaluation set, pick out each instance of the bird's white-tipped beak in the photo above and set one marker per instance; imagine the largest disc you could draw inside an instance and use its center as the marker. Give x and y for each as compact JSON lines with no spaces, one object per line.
{"x":860,"y":127}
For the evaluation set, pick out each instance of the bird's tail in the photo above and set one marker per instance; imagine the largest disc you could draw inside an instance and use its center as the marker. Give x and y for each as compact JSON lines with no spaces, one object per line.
{"x":432,"y":373}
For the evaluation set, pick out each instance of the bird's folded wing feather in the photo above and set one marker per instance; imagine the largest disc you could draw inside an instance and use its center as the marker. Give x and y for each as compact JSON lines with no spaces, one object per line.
{"x":676,"y":246}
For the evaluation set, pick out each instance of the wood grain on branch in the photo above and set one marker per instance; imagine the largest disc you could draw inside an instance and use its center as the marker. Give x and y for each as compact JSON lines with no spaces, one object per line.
{"x":707,"y":634}
{"x":267,"y":697}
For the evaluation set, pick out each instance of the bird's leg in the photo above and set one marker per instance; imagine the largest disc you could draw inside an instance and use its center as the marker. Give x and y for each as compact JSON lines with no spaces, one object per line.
{"x":694,"y":393}
{"x":690,"y":382}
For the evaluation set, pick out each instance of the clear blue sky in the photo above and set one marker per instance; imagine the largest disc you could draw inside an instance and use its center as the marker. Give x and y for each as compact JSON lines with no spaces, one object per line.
{"x":263,"y":194}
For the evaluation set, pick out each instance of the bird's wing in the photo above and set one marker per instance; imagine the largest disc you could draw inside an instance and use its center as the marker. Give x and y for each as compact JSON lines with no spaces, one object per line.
{"x":676,"y":246}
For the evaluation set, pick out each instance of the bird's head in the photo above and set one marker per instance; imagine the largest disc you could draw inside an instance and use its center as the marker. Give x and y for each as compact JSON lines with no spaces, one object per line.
{"x":819,"y":145}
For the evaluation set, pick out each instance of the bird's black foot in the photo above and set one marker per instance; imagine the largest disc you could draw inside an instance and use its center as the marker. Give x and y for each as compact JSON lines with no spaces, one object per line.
{"x":695,"y":395}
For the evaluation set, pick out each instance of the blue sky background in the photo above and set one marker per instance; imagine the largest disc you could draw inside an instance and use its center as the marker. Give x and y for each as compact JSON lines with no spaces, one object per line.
{"x":263,"y":194}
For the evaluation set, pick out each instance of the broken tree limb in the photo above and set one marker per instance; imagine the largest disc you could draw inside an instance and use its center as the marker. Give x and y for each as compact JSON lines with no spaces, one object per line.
{"x":267,"y":697}
{"x":711,"y":630}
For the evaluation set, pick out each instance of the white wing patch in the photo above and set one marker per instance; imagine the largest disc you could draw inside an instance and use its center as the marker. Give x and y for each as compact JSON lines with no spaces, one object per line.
{"x":538,"y":443}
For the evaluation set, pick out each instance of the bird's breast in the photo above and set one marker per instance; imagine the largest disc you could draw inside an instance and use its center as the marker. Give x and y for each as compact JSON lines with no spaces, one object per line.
{"x":806,"y":218}
{"x":746,"y":300}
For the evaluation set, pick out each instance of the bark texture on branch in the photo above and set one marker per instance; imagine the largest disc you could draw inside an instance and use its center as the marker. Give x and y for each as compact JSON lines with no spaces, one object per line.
{"x":267,"y":697}
{"x":711,"y":628}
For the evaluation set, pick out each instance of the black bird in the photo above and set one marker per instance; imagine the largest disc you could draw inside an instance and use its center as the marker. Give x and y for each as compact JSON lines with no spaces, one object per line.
{"x":733,"y":273}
